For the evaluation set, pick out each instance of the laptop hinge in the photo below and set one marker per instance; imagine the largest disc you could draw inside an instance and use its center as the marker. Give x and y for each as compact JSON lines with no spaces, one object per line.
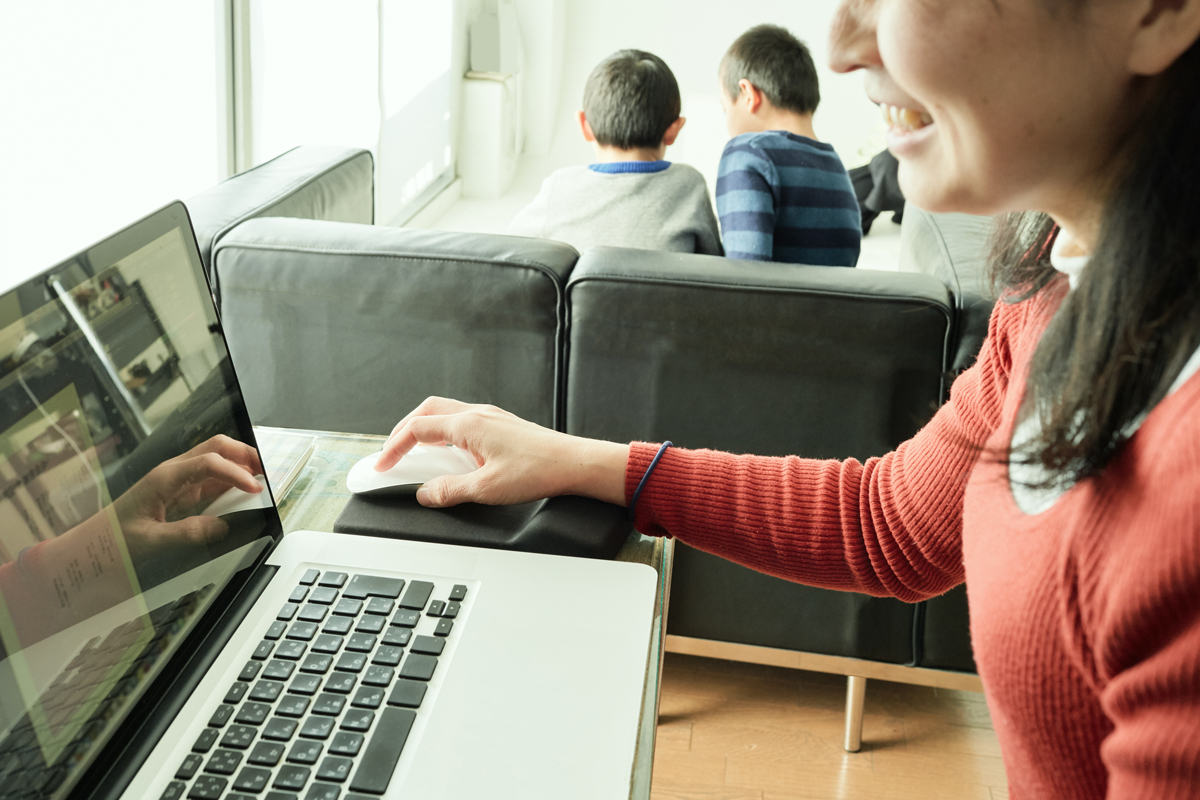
{"x":117,"y":764}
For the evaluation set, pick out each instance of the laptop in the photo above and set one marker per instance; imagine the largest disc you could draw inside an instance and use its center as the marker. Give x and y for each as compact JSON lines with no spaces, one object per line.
{"x":153,"y":650}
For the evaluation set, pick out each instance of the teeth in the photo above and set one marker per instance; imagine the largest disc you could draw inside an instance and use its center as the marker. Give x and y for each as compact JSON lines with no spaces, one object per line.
{"x":905,"y":118}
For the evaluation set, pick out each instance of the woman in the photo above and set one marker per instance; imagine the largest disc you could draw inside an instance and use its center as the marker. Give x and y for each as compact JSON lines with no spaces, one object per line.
{"x":1062,"y":479}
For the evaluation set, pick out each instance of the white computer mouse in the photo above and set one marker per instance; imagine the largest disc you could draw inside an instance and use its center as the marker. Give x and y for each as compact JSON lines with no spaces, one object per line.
{"x":234,"y":499}
{"x":418,"y":465}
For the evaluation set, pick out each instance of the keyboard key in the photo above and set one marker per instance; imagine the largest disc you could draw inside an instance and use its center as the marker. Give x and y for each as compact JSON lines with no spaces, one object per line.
{"x":378,"y":761}
{"x":238,"y":737}
{"x":334,"y":768}
{"x":206,"y":739}
{"x":207,"y":787}
{"x":316,"y":663}
{"x":291,"y":650}
{"x":418,"y":667}
{"x":313,"y":612}
{"x":254,"y":713}
{"x":335,"y":579}
{"x":347,"y":607}
{"x":267,"y":691}
{"x":310,"y":577}
{"x":436,"y":608}
{"x":351,"y":662}
{"x":323,"y":595}
{"x":252,"y":779}
{"x":220,"y":716}
{"x":443,"y":628}
{"x":407,"y":694}
{"x":378,"y":676}
{"x":428,"y":645}
{"x":323,"y":791}
{"x":417,"y":595}
{"x":305,"y":684}
{"x":329,"y":704}
{"x":305,"y":752}
{"x":362,"y":642}
{"x":298,"y":594}
{"x":379,"y":605}
{"x":371,"y":624}
{"x":339,"y":625}
{"x":303,"y":631}
{"x":266,"y":753}
{"x":275,"y":631}
{"x":357,"y":720}
{"x":280,"y":729}
{"x":279,"y":670}
{"x":287,"y":612}
{"x":263,"y":651}
{"x":191,"y":764}
{"x":397,"y":637}
{"x":405,"y":618}
{"x":292,"y":705}
{"x":174,"y":791}
{"x":293,"y":796}
{"x":388,"y":656}
{"x":362,"y":586}
{"x":368,"y":697}
{"x":316,"y":728}
{"x":223,"y":762}
{"x":291,"y":777}
{"x":341,"y":682}
{"x":250,"y":671}
{"x":459,"y":592}
{"x":346,"y":743}
{"x":236,"y":692}
{"x":452,"y":609}
{"x":327,"y":643}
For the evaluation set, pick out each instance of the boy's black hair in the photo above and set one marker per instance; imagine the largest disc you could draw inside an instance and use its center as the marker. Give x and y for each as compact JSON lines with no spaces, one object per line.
{"x":777,"y":64}
{"x":630,"y":100}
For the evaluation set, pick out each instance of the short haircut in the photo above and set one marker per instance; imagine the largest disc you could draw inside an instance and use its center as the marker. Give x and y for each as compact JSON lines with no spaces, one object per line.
{"x":777,"y":64}
{"x":630,"y":100}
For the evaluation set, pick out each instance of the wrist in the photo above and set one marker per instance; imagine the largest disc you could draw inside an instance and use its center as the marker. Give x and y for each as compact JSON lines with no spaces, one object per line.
{"x":597,"y":469}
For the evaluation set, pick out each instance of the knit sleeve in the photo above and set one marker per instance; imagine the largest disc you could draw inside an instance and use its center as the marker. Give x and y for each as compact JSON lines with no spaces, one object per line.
{"x":891,"y":526}
{"x":746,"y":186}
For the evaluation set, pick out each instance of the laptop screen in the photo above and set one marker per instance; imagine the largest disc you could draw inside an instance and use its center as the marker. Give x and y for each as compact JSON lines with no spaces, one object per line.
{"x":128,"y":496}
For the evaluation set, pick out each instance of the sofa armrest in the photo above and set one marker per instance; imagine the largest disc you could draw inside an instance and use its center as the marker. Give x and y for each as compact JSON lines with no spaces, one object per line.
{"x":346,"y":327}
{"x":329,"y":183}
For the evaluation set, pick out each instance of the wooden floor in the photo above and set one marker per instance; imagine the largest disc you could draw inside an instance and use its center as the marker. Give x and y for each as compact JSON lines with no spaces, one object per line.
{"x":731,"y":731}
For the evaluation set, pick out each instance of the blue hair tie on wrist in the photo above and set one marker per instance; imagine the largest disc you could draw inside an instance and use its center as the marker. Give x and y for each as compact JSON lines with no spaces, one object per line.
{"x":642,"y":483}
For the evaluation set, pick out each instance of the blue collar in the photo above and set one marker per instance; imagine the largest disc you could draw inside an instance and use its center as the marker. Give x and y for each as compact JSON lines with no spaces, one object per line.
{"x":621,"y":167}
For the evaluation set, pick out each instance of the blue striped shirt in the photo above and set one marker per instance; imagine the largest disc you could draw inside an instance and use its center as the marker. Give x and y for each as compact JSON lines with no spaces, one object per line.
{"x":783,"y":197}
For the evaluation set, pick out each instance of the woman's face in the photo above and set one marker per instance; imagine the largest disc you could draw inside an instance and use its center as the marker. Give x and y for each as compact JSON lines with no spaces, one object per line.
{"x":995,"y":105}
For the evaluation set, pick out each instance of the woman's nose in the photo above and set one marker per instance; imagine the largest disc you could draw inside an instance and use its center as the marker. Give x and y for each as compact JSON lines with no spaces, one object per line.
{"x":852,"y":36}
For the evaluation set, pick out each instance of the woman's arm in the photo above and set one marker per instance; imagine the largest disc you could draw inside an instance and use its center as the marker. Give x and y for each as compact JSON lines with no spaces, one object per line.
{"x":890,"y":526}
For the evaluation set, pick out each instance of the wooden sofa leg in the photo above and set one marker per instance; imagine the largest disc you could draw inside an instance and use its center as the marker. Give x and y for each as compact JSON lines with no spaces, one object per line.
{"x":856,"y":691}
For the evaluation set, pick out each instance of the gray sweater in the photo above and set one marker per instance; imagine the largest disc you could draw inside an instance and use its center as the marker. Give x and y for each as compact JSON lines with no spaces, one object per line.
{"x":665,"y":210}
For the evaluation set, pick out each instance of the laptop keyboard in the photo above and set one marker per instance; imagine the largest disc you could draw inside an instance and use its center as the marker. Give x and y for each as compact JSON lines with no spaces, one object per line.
{"x":324,"y":706}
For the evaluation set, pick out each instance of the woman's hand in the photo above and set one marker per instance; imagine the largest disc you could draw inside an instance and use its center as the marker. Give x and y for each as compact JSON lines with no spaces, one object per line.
{"x":518,"y":460}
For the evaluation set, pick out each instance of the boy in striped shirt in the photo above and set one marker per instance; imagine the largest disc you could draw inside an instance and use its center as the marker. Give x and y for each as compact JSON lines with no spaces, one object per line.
{"x":781,"y":194}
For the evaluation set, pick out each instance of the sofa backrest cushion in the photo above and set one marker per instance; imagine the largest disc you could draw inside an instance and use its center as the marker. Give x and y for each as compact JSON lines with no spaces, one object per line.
{"x":750,"y":356}
{"x":347,"y":327}
{"x":954,"y":249}
{"x":310,"y":182}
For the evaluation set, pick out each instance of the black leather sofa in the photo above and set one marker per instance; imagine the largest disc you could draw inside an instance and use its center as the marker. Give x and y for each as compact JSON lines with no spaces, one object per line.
{"x":336,"y":324}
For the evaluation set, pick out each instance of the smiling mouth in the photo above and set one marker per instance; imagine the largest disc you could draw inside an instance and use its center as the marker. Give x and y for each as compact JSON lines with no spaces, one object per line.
{"x":904,"y":120}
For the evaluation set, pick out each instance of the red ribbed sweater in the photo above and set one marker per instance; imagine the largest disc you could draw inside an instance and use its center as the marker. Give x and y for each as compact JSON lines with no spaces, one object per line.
{"x":1085,"y":619}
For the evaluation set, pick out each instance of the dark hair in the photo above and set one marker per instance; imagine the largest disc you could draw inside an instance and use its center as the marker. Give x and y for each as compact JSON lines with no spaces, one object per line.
{"x":630,"y":100}
{"x":1122,"y":336}
{"x":777,"y":64}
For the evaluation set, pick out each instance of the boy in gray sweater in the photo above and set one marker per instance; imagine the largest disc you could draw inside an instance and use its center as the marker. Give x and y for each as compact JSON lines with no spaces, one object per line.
{"x":630,"y":197}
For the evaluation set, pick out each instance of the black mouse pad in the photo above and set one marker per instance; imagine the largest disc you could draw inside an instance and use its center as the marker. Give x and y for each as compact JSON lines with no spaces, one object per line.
{"x":561,"y":526}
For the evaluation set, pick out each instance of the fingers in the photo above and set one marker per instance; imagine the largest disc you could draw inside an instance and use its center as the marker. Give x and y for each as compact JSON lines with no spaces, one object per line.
{"x":450,"y":490}
{"x":419,"y":430}
{"x":207,"y":467}
{"x":192,"y":530}
{"x":229,"y":448}
{"x":431,"y":406}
